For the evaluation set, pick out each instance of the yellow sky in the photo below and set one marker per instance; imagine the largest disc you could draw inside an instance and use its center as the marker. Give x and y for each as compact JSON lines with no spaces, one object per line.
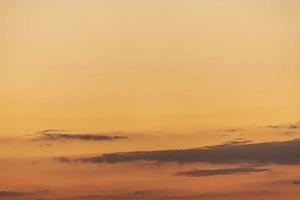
{"x":178,"y":66}
{"x":201,"y":97}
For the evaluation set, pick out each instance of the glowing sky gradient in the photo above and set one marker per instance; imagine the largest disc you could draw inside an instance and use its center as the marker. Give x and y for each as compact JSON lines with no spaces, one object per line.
{"x":149,"y":65}
{"x":81,"y":78}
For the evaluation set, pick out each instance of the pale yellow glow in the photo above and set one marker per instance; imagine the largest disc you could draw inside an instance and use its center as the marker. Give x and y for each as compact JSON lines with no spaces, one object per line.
{"x":178,"y":66}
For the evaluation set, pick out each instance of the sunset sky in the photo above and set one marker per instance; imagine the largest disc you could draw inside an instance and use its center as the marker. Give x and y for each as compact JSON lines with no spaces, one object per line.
{"x":82,"y":80}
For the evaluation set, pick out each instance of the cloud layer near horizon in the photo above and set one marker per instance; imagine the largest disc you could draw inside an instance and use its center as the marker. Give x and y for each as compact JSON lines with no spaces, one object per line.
{"x":55,"y":134}
{"x":226,"y":171}
{"x":157,"y":195}
{"x":285,"y":152}
{"x":8,"y":194}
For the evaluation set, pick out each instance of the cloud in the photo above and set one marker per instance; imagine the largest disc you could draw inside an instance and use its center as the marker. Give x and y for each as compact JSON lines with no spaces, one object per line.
{"x":227,"y":171}
{"x":286,"y":126}
{"x":296,"y":182}
{"x":140,"y":194}
{"x":290,"y":132}
{"x":57,"y":134}
{"x":284,"y":152}
{"x":234,"y":130}
{"x":164,"y":195}
{"x":237,"y":141}
{"x":6,"y":194}
{"x":63,"y":160}
{"x":92,"y":137}
{"x":52,"y":131}
{"x":224,"y":135}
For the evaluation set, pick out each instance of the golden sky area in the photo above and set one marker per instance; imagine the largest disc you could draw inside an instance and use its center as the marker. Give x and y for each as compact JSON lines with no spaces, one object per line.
{"x":201,"y":96}
{"x":148,"y":65}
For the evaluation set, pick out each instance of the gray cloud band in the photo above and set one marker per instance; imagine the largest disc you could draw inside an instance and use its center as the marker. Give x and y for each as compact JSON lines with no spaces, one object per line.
{"x":285,"y":152}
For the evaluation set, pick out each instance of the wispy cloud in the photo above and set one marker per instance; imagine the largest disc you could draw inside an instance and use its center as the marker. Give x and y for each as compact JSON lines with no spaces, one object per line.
{"x":234,"y":130}
{"x":286,"y":126}
{"x":57,"y":134}
{"x":226,"y":171}
{"x":63,"y":160}
{"x":52,"y":131}
{"x":7,"y":194}
{"x":238,"y":141}
{"x":284,"y":152}
{"x":93,"y":137}
{"x":160,"y":195}
{"x":296,"y":182}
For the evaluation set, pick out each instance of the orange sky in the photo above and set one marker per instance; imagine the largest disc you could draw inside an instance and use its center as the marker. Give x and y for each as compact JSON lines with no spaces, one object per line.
{"x":212,"y":80}
{"x":148,"y":65}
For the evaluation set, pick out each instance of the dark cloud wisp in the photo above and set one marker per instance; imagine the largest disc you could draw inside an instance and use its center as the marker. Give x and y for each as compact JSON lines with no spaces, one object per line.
{"x":6,"y":194}
{"x":226,"y":171}
{"x":285,"y":152}
{"x":296,"y":182}
{"x":158,"y":195}
{"x":49,"y":135}
{"x":286,"y":126}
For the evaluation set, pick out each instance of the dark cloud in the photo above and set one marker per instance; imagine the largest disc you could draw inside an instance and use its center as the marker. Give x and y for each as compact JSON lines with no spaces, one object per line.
{"x":52,"y":131}
{"x":164,"y":195}
{"x":6,"y":194}
{"x":139,"y":194}
{"x":63,"y":160}
{"x":57,"y":134}
{"x":286,"y":126}
{"x":296,"y":182}
{"x":90,"y":197}
{"x":93,"y":137}
{"x":214,"y":172}
{"x":234,"y":130}
{"x":142,"y":192}
{"x":284,"y":152}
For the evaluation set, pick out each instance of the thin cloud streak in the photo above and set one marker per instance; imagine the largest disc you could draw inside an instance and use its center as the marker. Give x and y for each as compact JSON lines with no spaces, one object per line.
{"x":57,"y":134}
{"x":284,"y":152}
{"x":286,"y":126}
{"x":157,"y":195}
{"x":92,"y":137}
{"x":7,"y":194}
{"x":227,"y":171}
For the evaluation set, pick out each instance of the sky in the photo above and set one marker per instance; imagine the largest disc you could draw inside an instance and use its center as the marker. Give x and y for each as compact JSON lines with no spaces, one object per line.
{"x":81,"y":79}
